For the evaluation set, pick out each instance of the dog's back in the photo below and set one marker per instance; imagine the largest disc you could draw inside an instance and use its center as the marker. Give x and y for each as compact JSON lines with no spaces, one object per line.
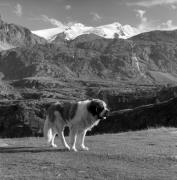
{"x":67,"y":110}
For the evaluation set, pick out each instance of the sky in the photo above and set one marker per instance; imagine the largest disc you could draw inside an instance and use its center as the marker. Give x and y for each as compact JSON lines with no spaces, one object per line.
{"x":43,"y":14}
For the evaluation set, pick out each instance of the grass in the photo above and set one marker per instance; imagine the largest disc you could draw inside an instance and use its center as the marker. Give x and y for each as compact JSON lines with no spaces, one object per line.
{"x":148,"y":154}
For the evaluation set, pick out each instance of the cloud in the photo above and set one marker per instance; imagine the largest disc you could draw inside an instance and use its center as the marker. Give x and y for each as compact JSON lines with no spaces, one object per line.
{"x":96,"y":16}
{"x":168,"y":25}
{"x":151,"y":3}
{"x":53,"y":21}
{"x":173,"y":6}
{"x":18,"y":10}
{"x":149,"y":25}
{"x":145,"y":24}
{"x":68,"y":7}
{"x":140,"y":13}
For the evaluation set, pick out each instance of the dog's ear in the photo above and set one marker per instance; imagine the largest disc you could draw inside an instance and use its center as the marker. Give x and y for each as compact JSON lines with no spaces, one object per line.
{"x":94,"y":107}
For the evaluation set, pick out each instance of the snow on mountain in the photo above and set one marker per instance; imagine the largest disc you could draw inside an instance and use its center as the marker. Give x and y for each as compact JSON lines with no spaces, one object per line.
{"x":77,"y":29}
{"x":48,"y":33}
{"x":130,"y":31}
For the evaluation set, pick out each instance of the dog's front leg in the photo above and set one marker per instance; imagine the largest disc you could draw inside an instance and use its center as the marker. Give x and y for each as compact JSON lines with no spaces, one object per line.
{"x":73,"y":136}
{"x":83,"y":147}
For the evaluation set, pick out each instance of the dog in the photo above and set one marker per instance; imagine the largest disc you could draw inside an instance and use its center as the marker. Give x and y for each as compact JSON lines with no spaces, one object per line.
{"x":79,"y":116}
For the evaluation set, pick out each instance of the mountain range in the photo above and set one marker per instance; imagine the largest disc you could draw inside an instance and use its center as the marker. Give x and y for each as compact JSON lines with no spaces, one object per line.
{"x":144,"y":60}
{"x":71,"y":32}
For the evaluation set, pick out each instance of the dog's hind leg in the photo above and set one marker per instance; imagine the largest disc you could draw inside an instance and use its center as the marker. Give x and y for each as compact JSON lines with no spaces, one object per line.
{"x":52,"y":143}
{"x":60,"y":132}
{"x":47,"y":131}
{"x":62,"y":137}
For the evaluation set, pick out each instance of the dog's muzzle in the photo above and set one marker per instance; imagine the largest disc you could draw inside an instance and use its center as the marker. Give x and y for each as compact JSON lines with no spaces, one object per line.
{"x":104,"y":114}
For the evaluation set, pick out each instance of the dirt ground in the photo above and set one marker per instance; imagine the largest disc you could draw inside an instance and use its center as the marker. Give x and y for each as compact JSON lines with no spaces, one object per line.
{"x":148,"y":154}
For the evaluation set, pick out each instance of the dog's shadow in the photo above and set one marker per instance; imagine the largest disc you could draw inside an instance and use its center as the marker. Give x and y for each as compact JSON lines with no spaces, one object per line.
{"x":21,"y":149}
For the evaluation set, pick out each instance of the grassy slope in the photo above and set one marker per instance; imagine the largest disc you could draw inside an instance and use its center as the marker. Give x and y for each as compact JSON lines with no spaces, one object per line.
{"x":149,"y":154}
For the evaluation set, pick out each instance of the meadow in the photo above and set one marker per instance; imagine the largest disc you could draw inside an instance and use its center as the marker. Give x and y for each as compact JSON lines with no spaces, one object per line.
{"x":134,"y":155}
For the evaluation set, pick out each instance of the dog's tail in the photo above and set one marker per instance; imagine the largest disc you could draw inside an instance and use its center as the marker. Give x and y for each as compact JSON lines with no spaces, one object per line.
{"x":47,"y":131}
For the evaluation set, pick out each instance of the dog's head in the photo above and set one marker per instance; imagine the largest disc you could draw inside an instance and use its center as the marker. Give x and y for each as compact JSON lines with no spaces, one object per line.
{"x":98,"y":109}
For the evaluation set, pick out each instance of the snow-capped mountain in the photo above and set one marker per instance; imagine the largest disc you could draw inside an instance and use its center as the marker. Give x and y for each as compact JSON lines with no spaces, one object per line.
{"x":77,"y":29}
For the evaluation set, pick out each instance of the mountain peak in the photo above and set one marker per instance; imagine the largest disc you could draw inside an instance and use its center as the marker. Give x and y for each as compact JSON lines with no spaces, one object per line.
{"x":77,"y":29}
{"x":116,"y":24}
{"x":12,"y":35}
{"x":79,"y":25}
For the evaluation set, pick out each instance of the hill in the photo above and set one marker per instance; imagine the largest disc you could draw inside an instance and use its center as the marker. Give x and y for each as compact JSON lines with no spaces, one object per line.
{"x":12,"y":35}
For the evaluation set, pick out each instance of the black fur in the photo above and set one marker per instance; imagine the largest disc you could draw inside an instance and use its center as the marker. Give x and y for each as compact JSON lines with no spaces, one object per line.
{"x":95,"y":107}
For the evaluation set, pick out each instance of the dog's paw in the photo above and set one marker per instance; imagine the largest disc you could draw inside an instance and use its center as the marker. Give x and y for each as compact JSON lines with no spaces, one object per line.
{"x":67,"y":147}
{"x":73,"y":149}
{"x":84,"y":148}
{"x":54,"y":145}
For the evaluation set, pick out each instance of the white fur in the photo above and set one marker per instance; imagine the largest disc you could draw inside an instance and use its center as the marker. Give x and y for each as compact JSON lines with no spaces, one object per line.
{"x":79,"y":125}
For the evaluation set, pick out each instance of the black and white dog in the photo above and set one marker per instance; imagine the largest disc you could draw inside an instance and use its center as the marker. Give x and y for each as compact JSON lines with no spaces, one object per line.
{"x":80,"y":117}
